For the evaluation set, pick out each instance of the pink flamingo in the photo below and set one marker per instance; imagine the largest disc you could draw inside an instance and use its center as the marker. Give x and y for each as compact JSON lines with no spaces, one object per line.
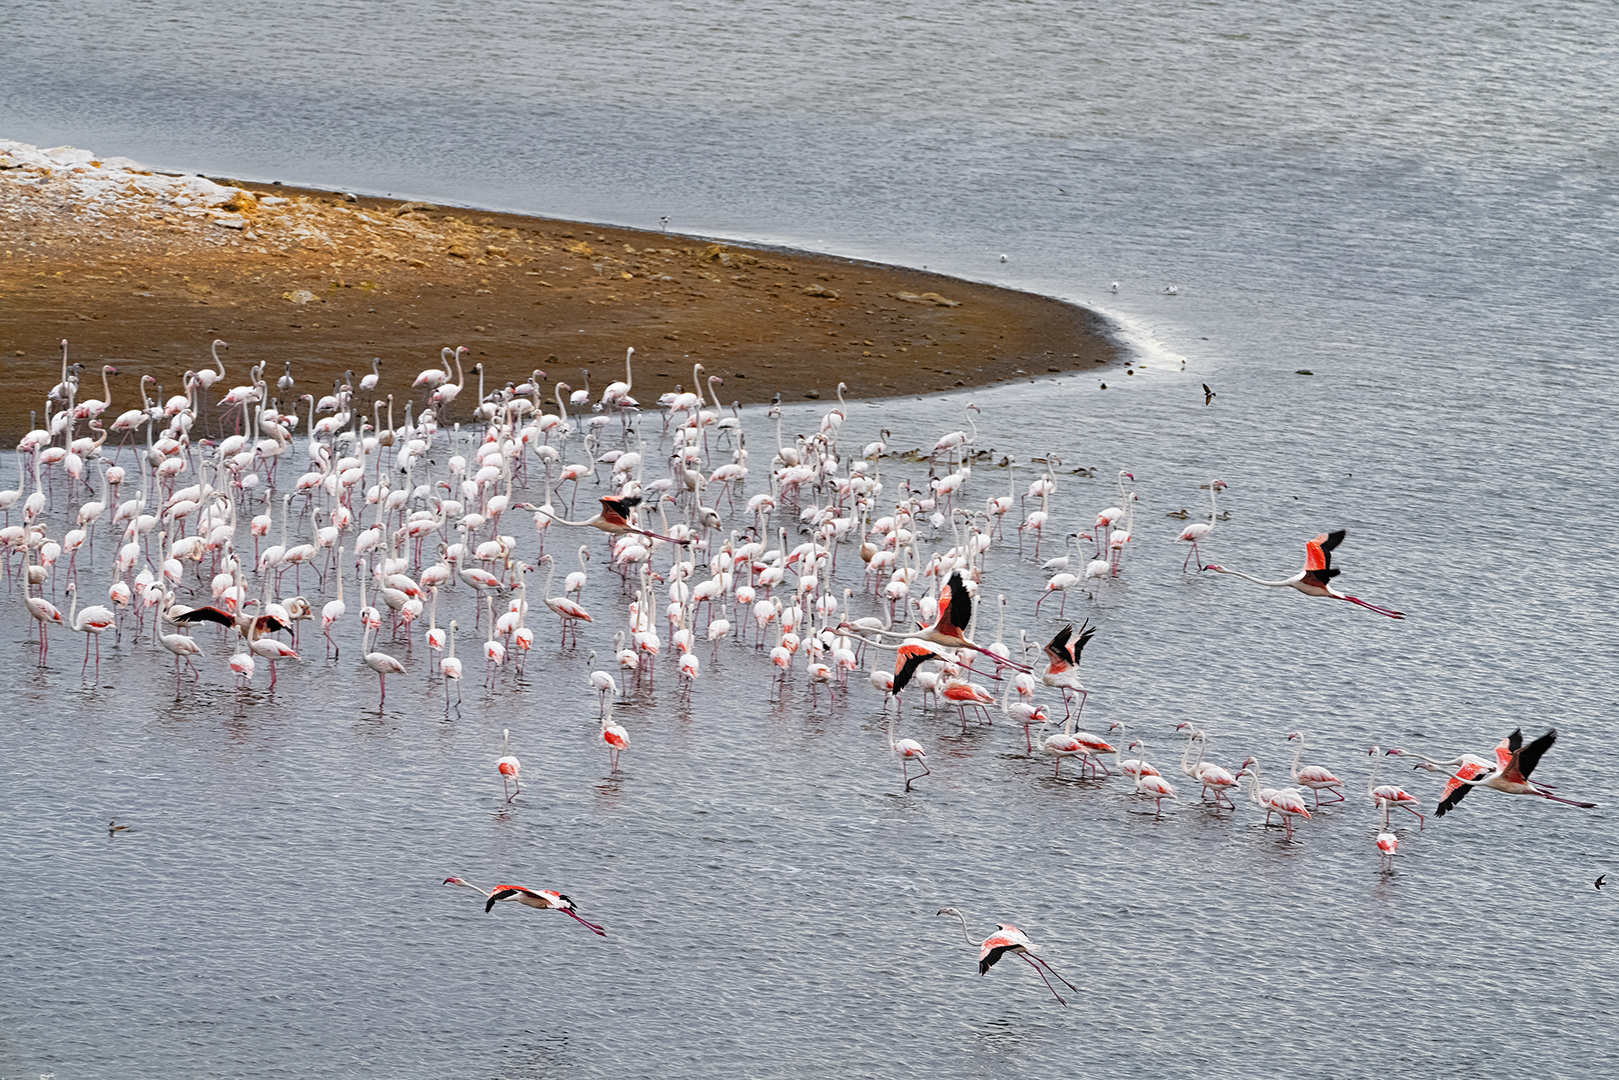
{"x":540,"y":899}
{"x":1009,"y":939}
{"x":1314,"y":579}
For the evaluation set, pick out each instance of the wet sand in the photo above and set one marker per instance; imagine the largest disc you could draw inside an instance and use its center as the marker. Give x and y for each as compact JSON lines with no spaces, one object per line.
{"x":326,"y":283}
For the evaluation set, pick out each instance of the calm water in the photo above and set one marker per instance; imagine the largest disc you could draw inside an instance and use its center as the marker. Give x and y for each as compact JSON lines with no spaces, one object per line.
{"x":1416,"y":204}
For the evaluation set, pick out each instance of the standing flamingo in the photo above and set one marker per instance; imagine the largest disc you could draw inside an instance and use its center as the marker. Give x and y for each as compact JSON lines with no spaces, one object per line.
{"x":1009,"y":939}
{"x":508,"y":766}
{"x":1287,"y":802}
{"x":1317,"y":573}
{"x":450,"y":668}
{"x":541,"y":899}
{"x":379,"y":662}
{"x":907,"y":751}
{"x":1200,"y":530}
{"x":569,"y":612}
{"x":93,"y":621}
{"x":1315,"y":777}
{"x":616,"y":738}
{"x":1387,"y":796}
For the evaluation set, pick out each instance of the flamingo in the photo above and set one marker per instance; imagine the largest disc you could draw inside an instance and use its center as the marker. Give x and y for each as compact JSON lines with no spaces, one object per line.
{"x":46,"y":614}
{"x":93,"y":621}
{"x":1081,"y":744}
{"x":509,"y":767}
{"x":450,"y":668}
{"x":1314,"y":579}
{"x":1009,"y":939}
{"x":1387,"y":796}
{"x":1149,"y":782}
{"x":1315,"y":777}
{"x":1062,"y":664}
{"x":603,"y":683}
{"x":1287,"y":802}
{"x":616,"y":738}
{"x":542,"y":899}
{"x":569,"y":612}
{"x":948,"y":629}
{"x":1514,"y":761}
{"x":182,"y":647}
{"x":907,"y":751}
{"x":1206,"y":773}
{"x":334,"y":610}
{"x":613,"y":519}
{"x":1387,"y":844}
{"x":1200,"y":530}
{"x":379,"y":662}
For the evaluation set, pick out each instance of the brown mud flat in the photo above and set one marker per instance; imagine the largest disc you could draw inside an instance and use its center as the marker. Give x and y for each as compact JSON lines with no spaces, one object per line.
{"x":311,"y":278}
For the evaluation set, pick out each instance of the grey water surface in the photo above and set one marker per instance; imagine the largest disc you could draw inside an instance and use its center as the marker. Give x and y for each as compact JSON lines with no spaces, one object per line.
{"x":1416,"y":203}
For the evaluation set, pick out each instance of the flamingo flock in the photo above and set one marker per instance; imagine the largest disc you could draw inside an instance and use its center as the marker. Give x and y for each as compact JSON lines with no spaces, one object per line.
{"x":457,"y":503}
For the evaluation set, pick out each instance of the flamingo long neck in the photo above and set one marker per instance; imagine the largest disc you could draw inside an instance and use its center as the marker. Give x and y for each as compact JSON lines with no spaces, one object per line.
{"x":969,"y":937}
{"x":712,"y":379}
{"x":1293,"y":768}
{"x":1377,"y":765}
{"x":629,"y":378}
{"x":452,"y":641}
{"x":1213,"y":510}
{"x":1286,"y":583}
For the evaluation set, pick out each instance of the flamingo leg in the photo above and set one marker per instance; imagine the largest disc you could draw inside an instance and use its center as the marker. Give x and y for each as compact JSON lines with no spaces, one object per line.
{"x":1390,"y":612}
{"x":1043,"y":978}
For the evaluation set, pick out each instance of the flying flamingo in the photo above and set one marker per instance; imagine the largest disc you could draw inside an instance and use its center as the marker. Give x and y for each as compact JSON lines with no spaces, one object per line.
{"x":949,"y":629}
{"x":1514,"y":761}
{"x":1315,"y":777}
{"x":1387,"y":796}
{"x":508,"y":766}
{"x":1200,"y":530}
{"x":613,"y":519}
{"x":1009,"y":939}
{"x":1317,"y":573}
{"x":542,"y":899}
{"x":1062,"y":664}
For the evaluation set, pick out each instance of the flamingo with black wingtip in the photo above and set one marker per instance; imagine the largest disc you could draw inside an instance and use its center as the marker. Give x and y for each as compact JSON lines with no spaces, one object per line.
{"x":1009,"y":939}
{"x":613,"y":519}
{"x":1062,"y":664}
{"x":1514,"y":761}
{"x":541,"y":899}
{"x":955,"y":614}
{"x":1315,"y":578}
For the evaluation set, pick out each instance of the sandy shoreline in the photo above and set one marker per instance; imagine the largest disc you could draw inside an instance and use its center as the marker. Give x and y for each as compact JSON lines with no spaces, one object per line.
{"x":143,"y":270}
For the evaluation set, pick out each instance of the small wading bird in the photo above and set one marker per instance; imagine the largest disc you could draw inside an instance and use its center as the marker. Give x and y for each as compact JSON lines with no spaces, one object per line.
{"x":1514,"y":761}
{"x":542,"y":899}
{"x":1313,"y":579}
{"x":1009,"y":939}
